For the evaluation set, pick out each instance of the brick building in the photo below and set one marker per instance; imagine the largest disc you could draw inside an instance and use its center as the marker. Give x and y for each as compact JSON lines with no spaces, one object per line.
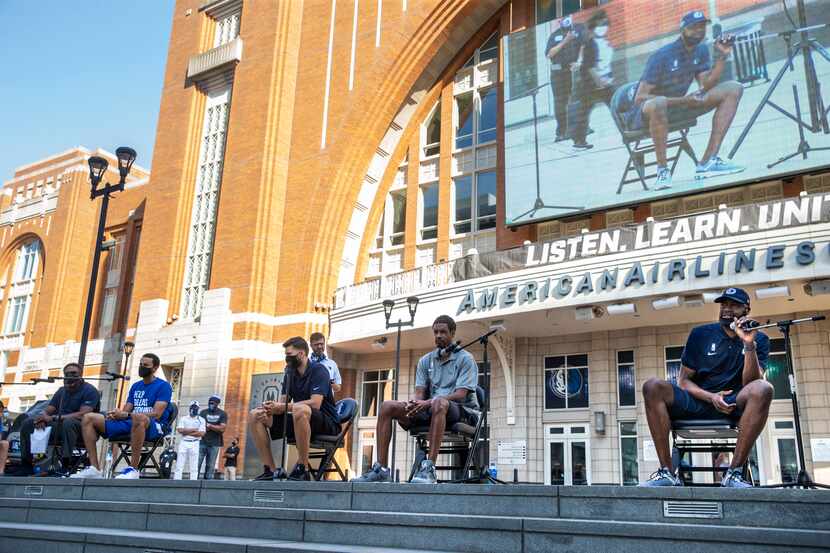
{"x":315,"y":158}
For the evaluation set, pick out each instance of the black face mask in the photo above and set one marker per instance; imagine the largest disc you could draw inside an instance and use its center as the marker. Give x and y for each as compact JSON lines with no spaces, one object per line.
{"x":692,"y":41}
{"x":144,"y":372}
{"x":194,"y":411}
{"x":292,"y":361}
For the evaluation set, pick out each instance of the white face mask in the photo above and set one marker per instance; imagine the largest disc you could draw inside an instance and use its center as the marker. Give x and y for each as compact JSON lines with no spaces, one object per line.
{"x":601,"y":31}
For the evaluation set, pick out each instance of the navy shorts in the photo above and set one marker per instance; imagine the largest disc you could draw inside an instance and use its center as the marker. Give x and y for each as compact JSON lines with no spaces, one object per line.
{"x":686,"y":406}
{"x":118,"y":428}
{"x":635,"y":119}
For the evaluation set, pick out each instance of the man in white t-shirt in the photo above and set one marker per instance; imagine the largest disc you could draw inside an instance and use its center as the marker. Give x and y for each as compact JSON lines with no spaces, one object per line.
{"x":191,"y":428}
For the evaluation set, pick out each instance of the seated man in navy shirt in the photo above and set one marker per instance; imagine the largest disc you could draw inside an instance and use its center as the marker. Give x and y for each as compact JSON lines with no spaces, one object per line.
{"x":662,"y":97}
{"x":63,"y":414}
{"x":311,"y":408}
{"x":145,"y":416}
{"x":721,"y":375}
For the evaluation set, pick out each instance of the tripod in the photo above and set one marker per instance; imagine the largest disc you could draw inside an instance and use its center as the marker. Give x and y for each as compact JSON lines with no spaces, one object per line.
{"x":539,"y":203}
{"x":482,"y":427}
{"x":804,"y":480}
{"x":818,"y":113}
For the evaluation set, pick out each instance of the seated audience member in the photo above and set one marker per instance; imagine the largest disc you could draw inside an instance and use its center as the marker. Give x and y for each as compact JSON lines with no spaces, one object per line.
{"x":4,"y":443}
{"x":191,"y":428}
{"x":143,"y":417}
{"x":311,"y":408}
{"x":445,"y":393}
{"x":721,"y":375}
{"x":70,"y":403}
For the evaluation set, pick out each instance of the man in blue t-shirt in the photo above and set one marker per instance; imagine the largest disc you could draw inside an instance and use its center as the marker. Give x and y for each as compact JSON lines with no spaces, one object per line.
{"x":63,"y":415}
{"x":145,"y":416}
{"x":721,"y":375}
{"x":662,"y":96}
{"x":310,"y":404}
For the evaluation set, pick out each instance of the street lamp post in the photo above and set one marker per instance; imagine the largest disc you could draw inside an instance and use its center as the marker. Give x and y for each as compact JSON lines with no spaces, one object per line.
{"x":388,"y":305}
{"x":97,"y":168}
{"x":128,"y":350}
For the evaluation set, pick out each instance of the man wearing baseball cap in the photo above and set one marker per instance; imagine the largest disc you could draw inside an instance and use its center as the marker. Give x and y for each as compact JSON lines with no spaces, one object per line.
{"x":721,"y":375}
{"x":662,"y":96}
{"x":217,"y":422}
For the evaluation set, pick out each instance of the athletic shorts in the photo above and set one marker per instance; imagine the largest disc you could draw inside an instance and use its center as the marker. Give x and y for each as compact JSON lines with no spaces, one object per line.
{"x":320,"y":425}
{"x":118,"y":428}
{"x":686,"y":406}
{"x":635,"y":119}
{"x":424,"y":418}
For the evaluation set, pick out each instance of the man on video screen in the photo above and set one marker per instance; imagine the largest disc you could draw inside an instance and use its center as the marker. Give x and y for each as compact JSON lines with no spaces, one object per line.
{"x":663,"y":96}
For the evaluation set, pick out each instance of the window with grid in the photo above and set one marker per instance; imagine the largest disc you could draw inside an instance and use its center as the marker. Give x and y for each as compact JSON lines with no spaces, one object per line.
{"x":546,"y":10}
{"x":205,"y":202}
{"x":429,"y":211}
{"x":626,"y":382}
{"x":629,"y":467}
{"x":21,"y":289}
{"x":566,"y":381}
{"x":432,"y":132}
{"x":475,"y":202}
{"x":673,"y":355}
{"x":375,"y":389}
{"x":398,"y":200}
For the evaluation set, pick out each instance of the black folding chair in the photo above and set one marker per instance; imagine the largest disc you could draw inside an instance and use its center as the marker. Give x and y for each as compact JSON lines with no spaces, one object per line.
{"x":638,"y":141}
{"x":147,"y":461}
{"x":327,"y":445}
{"x":461,"y":441}
{"x":691,"y":436}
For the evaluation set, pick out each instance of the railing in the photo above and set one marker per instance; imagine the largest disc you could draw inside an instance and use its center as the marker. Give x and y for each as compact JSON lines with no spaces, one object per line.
{"x":398,"y":284}
{"x":202,"y":64}
{"x":33,"y":207}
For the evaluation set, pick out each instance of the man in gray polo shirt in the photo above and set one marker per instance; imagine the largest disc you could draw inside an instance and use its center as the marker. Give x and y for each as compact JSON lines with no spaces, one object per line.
{"x":445,"y":393}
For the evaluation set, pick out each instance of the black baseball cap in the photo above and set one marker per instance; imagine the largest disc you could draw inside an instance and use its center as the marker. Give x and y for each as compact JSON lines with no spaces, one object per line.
{"x":735,"y":294}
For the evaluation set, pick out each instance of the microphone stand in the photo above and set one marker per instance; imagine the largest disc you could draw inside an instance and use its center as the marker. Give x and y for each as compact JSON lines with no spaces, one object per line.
{"x":280,"y":473}
{"x":483,"y":426}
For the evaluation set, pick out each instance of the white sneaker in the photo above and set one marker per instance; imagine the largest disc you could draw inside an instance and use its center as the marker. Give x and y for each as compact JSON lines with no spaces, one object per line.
{"x":88,"y":472}
{"x":128,"y":473}
{"x":663,"y":181}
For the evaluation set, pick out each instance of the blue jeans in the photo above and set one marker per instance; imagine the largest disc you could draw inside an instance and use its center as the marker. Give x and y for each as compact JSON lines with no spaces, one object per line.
{"x":209,"y":453}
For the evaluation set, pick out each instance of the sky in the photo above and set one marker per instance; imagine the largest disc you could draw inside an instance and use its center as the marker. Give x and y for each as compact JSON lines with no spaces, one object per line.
{"x":80,"y":73}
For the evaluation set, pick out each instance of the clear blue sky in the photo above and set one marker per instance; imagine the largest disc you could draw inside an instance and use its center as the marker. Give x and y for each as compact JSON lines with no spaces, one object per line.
{"x":85,"y":72}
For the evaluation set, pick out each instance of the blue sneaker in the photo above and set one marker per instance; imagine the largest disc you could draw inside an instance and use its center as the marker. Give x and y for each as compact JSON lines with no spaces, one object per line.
{"x":734,"y":478}
{"x":716,"y":167}
{"x":663,"y":477}
{"x":128,"y":473}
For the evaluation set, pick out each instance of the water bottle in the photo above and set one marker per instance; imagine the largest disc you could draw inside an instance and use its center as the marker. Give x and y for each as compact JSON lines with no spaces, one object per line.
{"x":109,"y":461}
{"x":493,"y":470}
{"x":36,"y":470}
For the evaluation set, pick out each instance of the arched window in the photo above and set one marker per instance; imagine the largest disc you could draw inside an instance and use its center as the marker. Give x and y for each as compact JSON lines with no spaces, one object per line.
{"x":21,"y":288}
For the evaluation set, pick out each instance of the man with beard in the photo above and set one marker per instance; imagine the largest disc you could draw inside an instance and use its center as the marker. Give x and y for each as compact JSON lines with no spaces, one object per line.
{"x":721,"y":375}
{"x":63,"y":415}
{"x":662,"y":96}
{"x":211,"y":443}
{"x":144,"y":416}
{"x":445,"y":393}
{"x":311,"y":411}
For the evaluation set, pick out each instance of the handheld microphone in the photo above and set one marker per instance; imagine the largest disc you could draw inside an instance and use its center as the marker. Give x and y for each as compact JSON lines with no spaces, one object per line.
{"x":746,"y":325}
{"x":116,"y":376}
{"x":454,"y":346}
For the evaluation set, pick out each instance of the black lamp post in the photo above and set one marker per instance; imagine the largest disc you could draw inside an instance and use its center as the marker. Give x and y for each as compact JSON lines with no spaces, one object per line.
{"x":388,"y":305}
{"x":128,"y":350}
{"x":97,"y":168}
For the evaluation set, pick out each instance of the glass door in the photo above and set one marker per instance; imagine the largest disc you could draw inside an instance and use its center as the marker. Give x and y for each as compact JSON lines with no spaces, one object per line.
{"x":567,"y":455}
{"x":785,"y":452}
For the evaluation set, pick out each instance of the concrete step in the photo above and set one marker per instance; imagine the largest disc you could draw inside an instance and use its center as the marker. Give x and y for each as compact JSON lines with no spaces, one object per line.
{"x":453,"y":532}
{"x":764,"y":508}
{"x":36,"y":538}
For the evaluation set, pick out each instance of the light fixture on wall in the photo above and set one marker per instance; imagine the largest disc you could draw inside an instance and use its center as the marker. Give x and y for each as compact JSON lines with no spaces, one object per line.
{"x":589,"y":312}
{"x":621,"y":309}
{"x":380,"y":343}
{"x":710,"y":297}
{"x":772,"y":292}
{"x":817,"y":287}
{"x":670,"y":302}
{"x":694,"y":300}
{"x":599,"y":422}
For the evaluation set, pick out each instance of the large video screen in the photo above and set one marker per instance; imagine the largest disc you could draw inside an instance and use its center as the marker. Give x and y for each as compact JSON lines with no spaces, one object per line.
{"x":640,"y":100}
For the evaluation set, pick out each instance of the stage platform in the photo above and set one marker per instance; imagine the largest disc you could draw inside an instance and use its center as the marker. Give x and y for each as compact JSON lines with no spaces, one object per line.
{"x":164,"y":516}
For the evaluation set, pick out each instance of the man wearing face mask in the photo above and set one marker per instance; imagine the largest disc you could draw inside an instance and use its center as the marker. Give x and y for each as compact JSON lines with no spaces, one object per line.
{"x":145,"y":415}
{"x":63,"y":414}
{"x":721,"y":375}
{"x":311,"y":411}
{"x":662,"y":96}
{"x":217,"y":421}
{"x":190,"y":428}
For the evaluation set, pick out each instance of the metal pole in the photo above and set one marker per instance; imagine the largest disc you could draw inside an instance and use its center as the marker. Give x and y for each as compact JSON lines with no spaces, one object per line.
{"x":395,"y":393}
{"x":93,"y":279}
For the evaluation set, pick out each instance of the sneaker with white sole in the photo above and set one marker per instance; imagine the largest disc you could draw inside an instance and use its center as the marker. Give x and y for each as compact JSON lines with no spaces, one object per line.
{"x":663,"y":181}
{"x":734,"y":478}
{"x":663,"y":477}
{"x":716,"y":167}
{"x":425,"y":474}
{"x":88,"y":472}
{"x":128,"y":473}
